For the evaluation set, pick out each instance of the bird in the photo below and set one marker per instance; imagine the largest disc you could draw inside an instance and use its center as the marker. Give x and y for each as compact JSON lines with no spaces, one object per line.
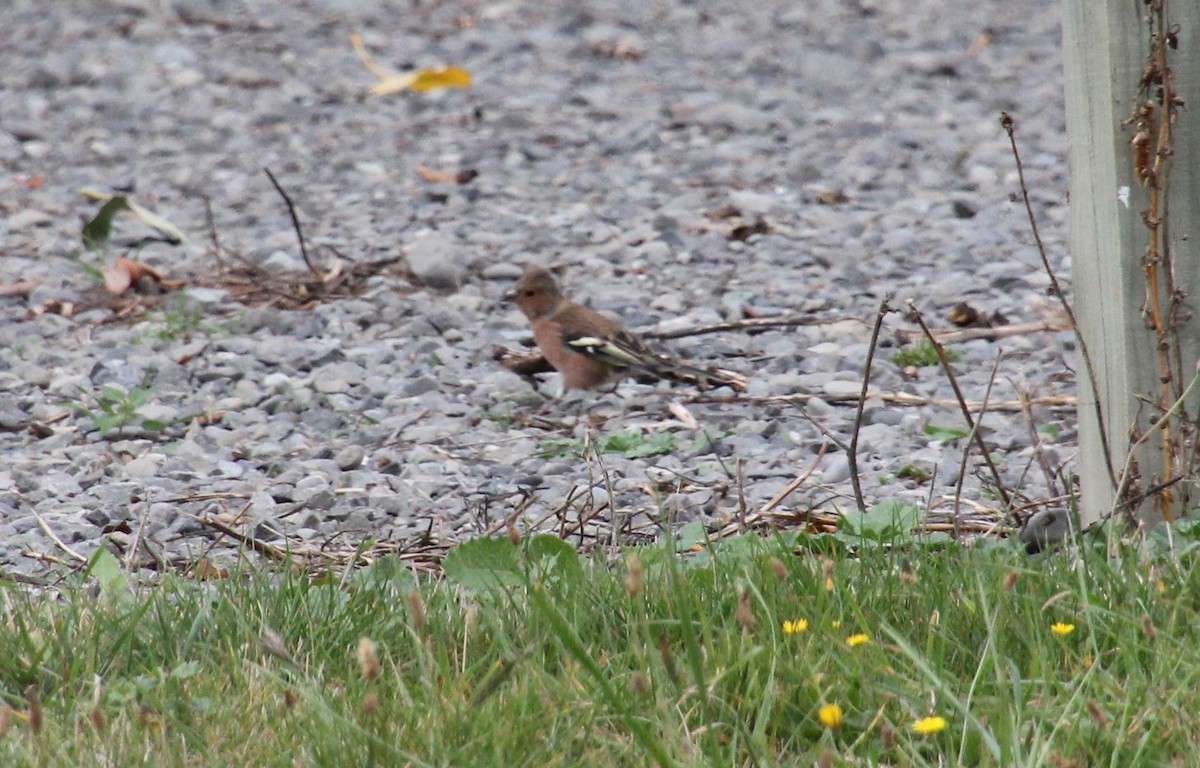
{"x":590,"y":349}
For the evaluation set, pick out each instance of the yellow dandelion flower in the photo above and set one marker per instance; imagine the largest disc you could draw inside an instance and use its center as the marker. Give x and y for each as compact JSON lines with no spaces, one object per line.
{"x":792,"y":627}
{"x":831,"y":715}
{"x":928,"y":725}
{"x":828,"y":583}
{"x":835,"y":624}
{"x":858,"y":639}
{"x":1062,"y":628}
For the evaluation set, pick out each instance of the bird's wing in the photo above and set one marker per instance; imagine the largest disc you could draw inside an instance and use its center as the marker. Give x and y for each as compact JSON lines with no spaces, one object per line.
{"x":622,"y":349}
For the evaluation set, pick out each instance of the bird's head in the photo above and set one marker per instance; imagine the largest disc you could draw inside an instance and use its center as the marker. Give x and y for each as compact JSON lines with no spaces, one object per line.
{"x":536,"y":294}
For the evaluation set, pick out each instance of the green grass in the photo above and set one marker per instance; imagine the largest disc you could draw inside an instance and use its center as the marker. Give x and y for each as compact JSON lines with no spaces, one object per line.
{"x":631,"y":443}
{"x":178,"y":318}
{"x":529,"y":655}
{"x":922,"y":354}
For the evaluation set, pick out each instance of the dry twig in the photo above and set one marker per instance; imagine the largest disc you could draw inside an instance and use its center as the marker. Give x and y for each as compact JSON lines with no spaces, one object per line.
{"x":852,"y":453}
{"x":962,"y":404}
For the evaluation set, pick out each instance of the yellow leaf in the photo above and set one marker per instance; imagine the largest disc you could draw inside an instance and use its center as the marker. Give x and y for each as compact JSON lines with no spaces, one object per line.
{"x":441,"y":77}
{"x":429,"y":79}
{"x":394,"y":84}
{"x":357,"y":41}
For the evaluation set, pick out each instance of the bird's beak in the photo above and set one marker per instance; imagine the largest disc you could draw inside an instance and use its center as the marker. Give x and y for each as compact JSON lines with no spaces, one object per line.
{"x":510,"y":296}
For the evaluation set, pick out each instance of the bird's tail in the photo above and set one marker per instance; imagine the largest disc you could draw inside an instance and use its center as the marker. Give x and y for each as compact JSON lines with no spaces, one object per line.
{"x":702,"y":377}
{"x":628,"y":351}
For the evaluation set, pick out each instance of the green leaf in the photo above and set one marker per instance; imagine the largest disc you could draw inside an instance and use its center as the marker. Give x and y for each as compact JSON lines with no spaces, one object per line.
{"x":741,"y":549}
{"x":484,"y":565}
{"x":945,"y":433}
{"x":553,"y":559}
{"x":636,"y":445}
{"x":690,"y":536}
{"x":98,"y":231}
{"x":1051,"y":429}
{"x":828,"y":544}
{"x":107,"y":569}
{"x":171,"y":233}
{"x":554,"y":447}
{"x":137,"y":398}
{"x":653,"y":445}
{"x":887,"y":521}
{"x":113,"y":394}
{"x":388,"y":570}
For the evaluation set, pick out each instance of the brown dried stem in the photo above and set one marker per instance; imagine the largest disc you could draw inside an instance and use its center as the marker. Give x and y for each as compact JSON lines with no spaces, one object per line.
{"x":895,"y":398}
{"x":962,"y":404}
{"x":1010,"y":127}
{"x":852,"y":452}
{"x":1036,"y":442}
{"x":751,"y":323}
{"x":295,"y":221}
{"x":962,"y":470}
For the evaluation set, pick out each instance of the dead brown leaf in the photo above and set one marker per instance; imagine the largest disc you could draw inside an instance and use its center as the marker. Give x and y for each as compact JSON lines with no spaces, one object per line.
{"x":124,"y":273}
{"x":743,"y":232}
{"x":444,"y":177}
{"x":727,"y":211}
{"x":832,"y":197}
{"x":206,"y":571}
{"x":19,"y":288}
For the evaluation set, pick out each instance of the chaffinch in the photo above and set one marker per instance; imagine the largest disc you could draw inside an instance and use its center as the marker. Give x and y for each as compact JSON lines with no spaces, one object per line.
{"x":589,"y":349}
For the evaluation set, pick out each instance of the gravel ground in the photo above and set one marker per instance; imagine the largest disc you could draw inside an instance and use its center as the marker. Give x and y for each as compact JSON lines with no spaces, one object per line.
{"x":608,"y":138}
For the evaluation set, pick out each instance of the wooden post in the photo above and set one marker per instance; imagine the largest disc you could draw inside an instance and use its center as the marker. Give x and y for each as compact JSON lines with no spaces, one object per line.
{"x":1106,"y":47}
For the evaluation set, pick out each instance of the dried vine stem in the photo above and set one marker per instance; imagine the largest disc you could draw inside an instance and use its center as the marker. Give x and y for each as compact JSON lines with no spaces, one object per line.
{"x":1155,"y":112}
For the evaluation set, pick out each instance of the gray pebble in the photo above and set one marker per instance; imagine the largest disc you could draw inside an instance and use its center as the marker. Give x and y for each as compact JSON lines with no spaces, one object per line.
{"x":434,"y":259}
{"x":350,"y":457}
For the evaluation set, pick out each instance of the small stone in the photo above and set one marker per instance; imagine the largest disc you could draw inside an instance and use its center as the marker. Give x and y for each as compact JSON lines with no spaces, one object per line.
{"x":504,"y":271}
{"x":842,"y":389}
{"x":29,"y":218}
{"x":144,"y":466}
{"x":230,"y":469}
{"x":434,"y":261}
{"x":835,"y":469}
{"x":283,"y":261}
{"x":261,"y":504}
{"x":420,"y":386}
{"x":350,"y":457}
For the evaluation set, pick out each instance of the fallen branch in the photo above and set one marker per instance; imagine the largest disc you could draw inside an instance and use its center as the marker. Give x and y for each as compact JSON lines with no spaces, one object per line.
{"x":896,"y":398}
{"x":19,"y":288}
{"x":949,"y":336}
{"x":54,"y":537}
{"x":261,"y":547}
{"x":784,"y":321}
{"x":747,"y":522}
